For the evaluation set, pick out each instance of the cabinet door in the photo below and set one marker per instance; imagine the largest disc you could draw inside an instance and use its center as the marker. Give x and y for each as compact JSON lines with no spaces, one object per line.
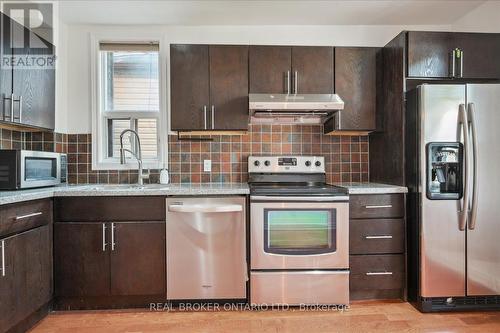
{"x":138,"y":258}
{"x":189,"y":80}
{"x":27,"y":283}
{"x":269,"y":69}
{"x":5,"y":72}
{"x":229,"y":87}
{"x":34,"y":86}
{"x":312,"y":68}
{"x":481,"y":55}
{"x":356,"y":84}
{"x":429,"y":54}
{"x":81,"y":259}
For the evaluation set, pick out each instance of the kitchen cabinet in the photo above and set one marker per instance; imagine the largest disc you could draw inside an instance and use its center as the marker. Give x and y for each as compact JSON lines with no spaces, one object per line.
{"x":430,"y":55}
{"x":377,"y":246}
{"x":356,"y":82}
{"x":297,"y":69}
{"x":111,"y":256}
{"x":28,"y":90}
{"x":26,"y":277}
{"x":209,"y":87}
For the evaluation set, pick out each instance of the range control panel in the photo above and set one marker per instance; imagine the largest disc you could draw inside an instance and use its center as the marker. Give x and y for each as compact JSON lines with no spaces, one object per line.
{"x":286,"y":164}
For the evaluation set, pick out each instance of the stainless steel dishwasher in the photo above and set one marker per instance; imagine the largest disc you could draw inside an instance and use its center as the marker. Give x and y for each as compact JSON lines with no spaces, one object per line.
{"x":206,"y":248}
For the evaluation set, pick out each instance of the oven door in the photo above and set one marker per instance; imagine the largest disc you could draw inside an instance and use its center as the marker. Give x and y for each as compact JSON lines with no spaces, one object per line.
{"x":39,"y":169}
{"x":299,"y":233}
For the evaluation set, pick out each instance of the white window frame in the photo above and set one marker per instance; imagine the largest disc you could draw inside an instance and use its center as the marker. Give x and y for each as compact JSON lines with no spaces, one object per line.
{"x":99,"y":124}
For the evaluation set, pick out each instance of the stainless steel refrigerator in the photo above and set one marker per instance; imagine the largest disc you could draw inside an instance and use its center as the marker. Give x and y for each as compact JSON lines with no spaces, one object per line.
{"x":453,"y":175}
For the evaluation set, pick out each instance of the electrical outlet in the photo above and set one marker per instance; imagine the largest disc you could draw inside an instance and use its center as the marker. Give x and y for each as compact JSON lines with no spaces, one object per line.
{"x":207,"y":165}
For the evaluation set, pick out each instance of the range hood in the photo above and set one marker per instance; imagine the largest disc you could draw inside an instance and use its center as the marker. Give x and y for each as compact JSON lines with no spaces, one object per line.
{"x":293,"y":108}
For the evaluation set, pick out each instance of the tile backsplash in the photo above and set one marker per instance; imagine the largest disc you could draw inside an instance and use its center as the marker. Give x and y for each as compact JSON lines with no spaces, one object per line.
{"x":346,"y":157}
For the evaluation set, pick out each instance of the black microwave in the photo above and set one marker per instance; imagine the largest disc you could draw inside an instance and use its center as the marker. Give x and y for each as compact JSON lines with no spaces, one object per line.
{"x":21,"y":169}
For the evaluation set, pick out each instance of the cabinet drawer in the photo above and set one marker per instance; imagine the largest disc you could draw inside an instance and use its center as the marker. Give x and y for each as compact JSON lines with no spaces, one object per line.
{"x":376,"y":206}
{"x":376,"y":236}
{"x":375,"y":272}
{"x":22,"y":216}
{"x":112,"y":209}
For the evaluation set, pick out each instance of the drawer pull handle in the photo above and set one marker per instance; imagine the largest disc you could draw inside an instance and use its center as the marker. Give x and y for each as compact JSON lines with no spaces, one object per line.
{"x":379,"y":237}
{"x":21,"y":217}
{"x":378,"y":273}
{"x":3,"y":257}
{"x":378,"y":206}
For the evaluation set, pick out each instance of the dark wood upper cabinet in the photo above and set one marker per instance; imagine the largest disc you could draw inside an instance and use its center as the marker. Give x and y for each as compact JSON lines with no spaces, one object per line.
{"x":430,"y":55}
{"x":270,"y":69}
{"x":81,"y":259}
{"x":356,"y":84}
{"x":229,"y":87}
{"x":138,"y":259}
{"x":189,"y":87}
{"x":312,"y":69}
{"x":209,"y":87}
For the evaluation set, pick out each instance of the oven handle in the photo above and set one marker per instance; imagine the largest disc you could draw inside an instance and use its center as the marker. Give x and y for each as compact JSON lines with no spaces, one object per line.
{"x":301,"y":199}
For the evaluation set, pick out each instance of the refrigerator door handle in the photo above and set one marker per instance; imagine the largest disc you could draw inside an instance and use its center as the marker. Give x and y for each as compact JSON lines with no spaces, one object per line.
{"x":463,"y":122}
{"x":471,"y":110}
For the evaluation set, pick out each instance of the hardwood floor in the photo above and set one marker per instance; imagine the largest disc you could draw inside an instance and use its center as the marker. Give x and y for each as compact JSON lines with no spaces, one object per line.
{"x":361,"y":317}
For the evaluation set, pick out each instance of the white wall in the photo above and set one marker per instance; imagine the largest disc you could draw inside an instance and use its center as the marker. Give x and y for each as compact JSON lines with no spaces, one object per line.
{"x":485,"y":18}
{"x":74,"y":63}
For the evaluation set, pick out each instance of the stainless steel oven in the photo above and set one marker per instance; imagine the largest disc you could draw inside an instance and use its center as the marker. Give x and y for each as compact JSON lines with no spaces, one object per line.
{"x":20,"y":169}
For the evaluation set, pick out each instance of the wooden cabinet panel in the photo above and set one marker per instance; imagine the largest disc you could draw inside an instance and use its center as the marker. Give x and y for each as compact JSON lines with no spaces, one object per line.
{"x":189,"y":84}
{"x":82,"y":266}
{"x":109,"y":209}
{"x":374,"y":272}
{"x":312,"y":68}
{"x":5,"y":73}
{"x":429,"y":54}
{"x":24,"y":215}
{"x":481,"y":54}
{"x":269,"y":67}
{"x":356,"y":84}
{"x":138,"y":259}
{"x":376,"y":206}
{"x":229,"y":87}
{"x":376,"y":236}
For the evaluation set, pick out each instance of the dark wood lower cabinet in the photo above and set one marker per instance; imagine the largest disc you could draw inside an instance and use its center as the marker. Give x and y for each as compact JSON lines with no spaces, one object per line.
{"x":138,"y":259}
{"x":26,"y":286}
{"x":81,"y":259}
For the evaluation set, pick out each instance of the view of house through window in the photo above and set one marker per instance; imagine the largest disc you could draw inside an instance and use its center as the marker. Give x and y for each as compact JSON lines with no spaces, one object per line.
{"x":129,"y":93}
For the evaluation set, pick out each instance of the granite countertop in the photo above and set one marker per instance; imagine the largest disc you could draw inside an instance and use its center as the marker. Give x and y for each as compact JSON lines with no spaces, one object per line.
{"x":372,"y":188}
{"x":7,"y":197}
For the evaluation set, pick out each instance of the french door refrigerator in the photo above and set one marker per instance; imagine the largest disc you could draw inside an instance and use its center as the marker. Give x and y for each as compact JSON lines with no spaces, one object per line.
{"x":452,"y":171}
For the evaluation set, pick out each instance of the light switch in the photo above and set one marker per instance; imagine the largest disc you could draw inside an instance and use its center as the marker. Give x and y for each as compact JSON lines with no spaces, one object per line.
{"x":207,"y":165}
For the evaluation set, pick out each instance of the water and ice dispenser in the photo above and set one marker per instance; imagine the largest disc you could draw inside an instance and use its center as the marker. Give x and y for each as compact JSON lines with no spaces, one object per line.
{"x":444,"y":170}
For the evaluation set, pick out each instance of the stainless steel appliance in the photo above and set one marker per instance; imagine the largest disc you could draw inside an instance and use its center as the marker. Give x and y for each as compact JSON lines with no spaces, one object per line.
{"x":206,"y":248}
{"x":20,"y":169}
{"x":293,"y":108}
{"x":299,"y":233}
{"x":452,"y":173}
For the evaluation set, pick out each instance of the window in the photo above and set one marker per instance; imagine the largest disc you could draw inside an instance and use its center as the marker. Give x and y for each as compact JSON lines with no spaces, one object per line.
{"x":128,"y":93}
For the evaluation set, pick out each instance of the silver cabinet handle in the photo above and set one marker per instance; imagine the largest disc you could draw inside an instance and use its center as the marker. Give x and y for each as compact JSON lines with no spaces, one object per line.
{"x":213,"y":116}
{"x":113,"y":237}
{"x":296,"y":82}
{"x":3,"y":257}
{"x":12,"y":107}
{"x":378,"y":273}
{"x":4,"y":115}
{"x":205,"y":116}
{"x":473,"y":209}
{"x":104,"y":244}
{"x":288,"y":82}
{"x":20,"y":100}
{"x":453,"y":62}
{"x":379,"y":237}
{"x":21,"y":217}
{"x":461,"y":53}
{"x":229,"y":208}
{"x":378,"y":206}
{"x":464,"y":123}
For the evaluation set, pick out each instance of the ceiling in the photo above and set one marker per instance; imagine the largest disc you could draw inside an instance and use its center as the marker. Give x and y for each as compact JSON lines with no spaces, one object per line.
{"x":305,"y":12}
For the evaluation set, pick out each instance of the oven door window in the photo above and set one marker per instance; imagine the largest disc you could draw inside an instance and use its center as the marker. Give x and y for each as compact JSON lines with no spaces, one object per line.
{"x":300,"y":231}
{"x":39,"y":168}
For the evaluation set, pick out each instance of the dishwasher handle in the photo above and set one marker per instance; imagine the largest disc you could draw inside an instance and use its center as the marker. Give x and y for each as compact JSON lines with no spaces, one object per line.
{"x":229,"y":208}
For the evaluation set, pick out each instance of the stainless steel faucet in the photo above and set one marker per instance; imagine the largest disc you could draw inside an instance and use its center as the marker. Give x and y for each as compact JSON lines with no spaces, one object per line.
{"x":138,"y":156}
